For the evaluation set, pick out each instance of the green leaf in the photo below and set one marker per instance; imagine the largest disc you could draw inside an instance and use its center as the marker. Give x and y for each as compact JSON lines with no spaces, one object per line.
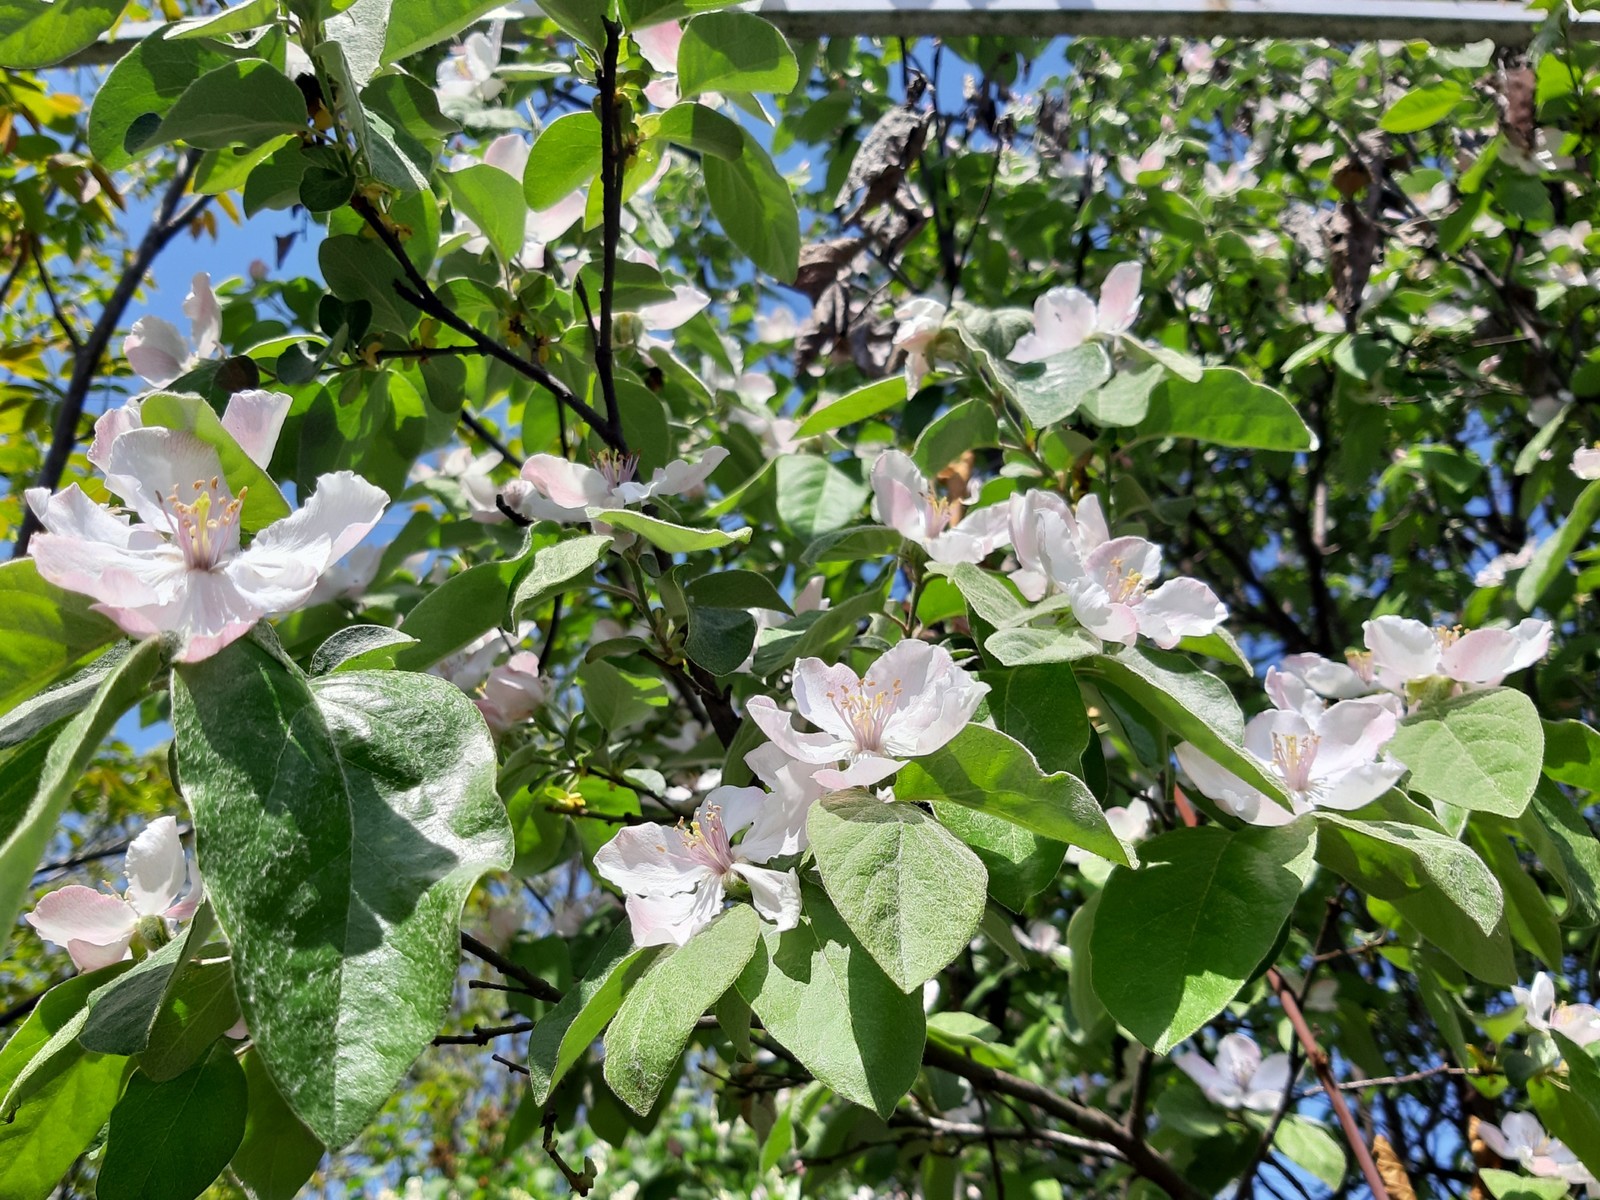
{"x":1023,"y":647}
{"x":1125,"y":399}
{"x":237,"y":18}
{"x":119,"y":1016}
{"x":169,"y":1141}
{"x":696,"y":127}
{"x":491,"y":200}
{"x":907,"y":888}
{"x":56,"y":703}
{"x":1422,"y":107}
{"x":147,"y":79}
{"x":1041,"y":707}
{"x":584,"y":19}
{"x":35,"y":34}
{"x":1561,"y":837}
{"x":263,"y":503}
{"x":564,"y":158}
{"x":1195,"y":705}
{"x":1227,"y":408}
{"x":1482,"y":751}
{"x":461,"y":609}
{"x":553,"y":570}
{"x":719,"y":639}
{"x":1571,"y":1107}
{"x":825,"y":999}
{"x":414,"y":25}
{"x":359,"y":805}
{"x":664,"y":535}
{"x":1550,"y":558}
{"x":1508,"y":1185}
{"x":359,"y":268}
{"x":360,"y":648}
{"x":243,"y":103}
{"x":26,"y":832}
{"x":1308,"y":1144}
{"x":278,"y":1153}
{"x":1174,"y":941}
{"x":1571,"y":754}
{"x":856,"y":543}
{"x":659,"y":1013}
{"x":618,"y":699}
{"x":1052,"y":390}
{"x":1435,"y":882}
{"x":1020,"y":864}
{"x":734,"y":52}
{"x":864,"y":402}
{"x":735,"y":589}
{"x":564,"y":1033}
{"x":74,"y":1093}
{"x":45,"y":632}
{"x":986,"y":770}
{"x":814,"y":634}
{"x":816,"y":497}
{"x":200,"y":1008}
{"x":755,"y":207}
{"x":970,"y":425}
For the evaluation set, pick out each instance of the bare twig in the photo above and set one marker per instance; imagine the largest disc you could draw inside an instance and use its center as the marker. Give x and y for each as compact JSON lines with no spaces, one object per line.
{"x":530,"y":982}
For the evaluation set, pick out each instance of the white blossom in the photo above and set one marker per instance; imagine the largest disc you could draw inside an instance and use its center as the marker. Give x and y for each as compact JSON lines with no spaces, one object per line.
{"x":905,"y":500}
{"x":159,"y":354}
{"x":1240,"y":1077}
{"x":1521,"y":1139}
{"x":1065,"y":317}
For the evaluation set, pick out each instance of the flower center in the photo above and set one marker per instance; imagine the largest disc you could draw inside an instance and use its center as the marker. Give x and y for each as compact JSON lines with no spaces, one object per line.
{"x":941,"y":512}
{"x":1124,"y":586}
{"x":617,"y":469}
{"x":1361,"y":663}
{"x":207,"y":526}
{"x":867,"y":709}
{"x":1448,"y":635}
{"x":1293,"y":754}
{"x":706,"y":840}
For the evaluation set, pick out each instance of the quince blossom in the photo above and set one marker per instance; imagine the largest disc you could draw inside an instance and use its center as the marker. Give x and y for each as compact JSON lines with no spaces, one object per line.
{"x":1580,"y":1022}
{"x":554,"y":489}
{"x":513,"y":692}
{"x":911,"y":702}
{"x":675,"y":878}
{"x":1064,"y":318}
{"x":1326,"y":757}
{"x":1405,"y":652}
{"x":1130,"y":822}
{"x":472,"y":474}
{"x":1586,"y":462}
{"x":905,"y":500}
{"x":1106,"y":580}
{"x":921,"y":321}
{"x":509,"y":153}
{"x":1241,"y":1077}
{"x":467,"y":75}
{"x":182,"y":570}
{"x":158,"y":353}
{"x":97,"y":928}
{"x":1521,"y":1139}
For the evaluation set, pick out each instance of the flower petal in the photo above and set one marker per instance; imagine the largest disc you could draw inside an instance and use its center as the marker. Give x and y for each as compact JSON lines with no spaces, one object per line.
{"x":864,"y":772}
{"x":254,"y":418}
{"x":680,"y":476}
{"x":155,"y":350}
{"x":669,"y":314}
{"x":1119,"y":298}
{"x":77,"y":914}
{"x":146,"y":466}
{"x":205,"y":317}
{"x":673,"y":920}
{"x":659,"y":45}
{"x":779,"y":727}
{"x":776,"y":894}
{"x":1402,"y":650}
{"x":572,"y":486}
{"x":1178,"y":609}
{"x":341,"y":512}
{"x":1063,"y":318}
{"x":155,"y":868}
{"x":650,"y":860}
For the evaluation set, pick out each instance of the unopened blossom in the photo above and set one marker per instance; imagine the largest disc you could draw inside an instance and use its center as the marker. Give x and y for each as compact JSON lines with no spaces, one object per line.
{"x":1586,"y":462}
{"x":554,"y":489}
{"x":675,"y":877}
{"x":1240,"y":1077}
{"x":1580,"y":1022}
{"x":466,"y":75}
{"x":911,"y":701}
{"x":513,"y":692}
{"x":509,"y":153}
{"x":920,"y":322}
{"x":1406,"y":652}
{"x":1521,"y":1139}
{"x":907,"y":501}
{"x":97,"y":928}
{"x":159,"y":354}
{"x":1064,"y":318}
{"x":1325,"y":758}
{"x":1130,"y":823}
{"x":183,"y":569}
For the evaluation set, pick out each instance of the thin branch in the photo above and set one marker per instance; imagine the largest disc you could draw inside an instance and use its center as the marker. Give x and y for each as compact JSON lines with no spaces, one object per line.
{"x":166,"y":225}
{"x":486,"y":435}
{"x":482,"y":1035}
{"x":613,"y":165}
{"x":530,"y":982}
{"x":50,"y":295}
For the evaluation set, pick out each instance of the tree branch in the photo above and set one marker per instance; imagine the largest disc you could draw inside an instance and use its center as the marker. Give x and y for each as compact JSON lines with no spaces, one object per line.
{"x":613,"y":165}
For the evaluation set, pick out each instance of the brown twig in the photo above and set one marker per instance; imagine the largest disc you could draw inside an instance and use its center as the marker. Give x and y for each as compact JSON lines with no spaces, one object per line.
{"x":530,"y":982}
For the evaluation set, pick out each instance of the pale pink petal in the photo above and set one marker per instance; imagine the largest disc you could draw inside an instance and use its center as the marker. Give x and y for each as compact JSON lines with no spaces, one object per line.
{"x":1268,"y":1084}
{"x":1496,"y":1140}
{"x":255,"y":418}
{"x":155,"y":350}
{"x":155,"y":868}
{"x":681,"y":476}
{"x":509,"y":153}
{"x":1100,"y":615}
{"x":1586,"y":462}
{"x":659,"y":45}
{"x":572,"y":486}
{"x":1533,"y":642}
{"x":1216,"y":781}
{"x":1063,"y":318}
{"x":779,"y":727}
{"x":817,"y":689}
{"x":341,"y":512}
{"x":1217,"y":1088}
{"x":1402,"y":649}
{"x":776,"y":894}
{"x":113,"y":423}
{"x":669,"y":314}
{"x":205,"y":317}
{"x":211,"y":611}
{"x":1358,"y":786}
{"x":546,"y":225}
{"x":90,"y":925}
{"x":864,"y":772}
{"x":650,"y":860}
{"x":1119,"y":298}
{"x":1178,"y":609}
{"x":146,"y":466}
{"x":1335,"y":680}
{"x":673,"y":920}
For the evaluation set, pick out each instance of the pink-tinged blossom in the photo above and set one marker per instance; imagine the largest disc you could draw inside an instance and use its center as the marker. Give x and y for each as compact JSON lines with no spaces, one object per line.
{"x":675,"y":877}
{"x":1522,"y":1140}
{"x":509,"y":153}
{"x":905,"y":500}
{"x":665,"y":315}
{"x":1325,"y":758}
{"x":780,"y":826}
{"x":473,"y":475}
{"x":97,"y":928}
{"x":920,"y":322}
{"x":1064,"y":318}
{"x":1406,"y":652}
{"x":1240,"y":1077}
{"x":1334,"y":680}
{"x":1586,"y":462}
{"x":513,"y":692}
{"x":158,"y":353}
{"x":466,"y":76}
{"x":911,"y":702}
{"x":1131,"y":823}
{"x":1130,"y":168}
{"x":1034,"y":516}
{"x":1580,"y":1022}
{"x":553,"y":489}
{"x":254,"y":419}
{"x":183,"y":570}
